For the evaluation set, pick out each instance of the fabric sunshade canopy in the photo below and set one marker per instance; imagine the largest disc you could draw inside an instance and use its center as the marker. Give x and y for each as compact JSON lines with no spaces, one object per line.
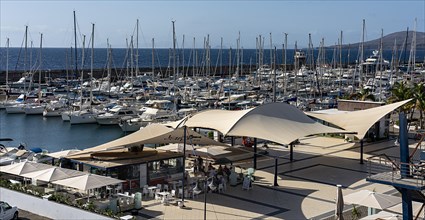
{"x":204,"y":151}
{"x":52,"y":174}
{"x":23,"y":168}
{"x":278,"y":122}
{"x":358,"y":121}
{"x":87,"y":181}
{"x":372,"y":199}
{"x":154,"y":134}
{"x":63,"y":153}
{"x":383,"y":215}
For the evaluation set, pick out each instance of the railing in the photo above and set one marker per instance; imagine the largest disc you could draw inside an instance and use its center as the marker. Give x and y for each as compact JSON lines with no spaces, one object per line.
{"x":387,"y":169}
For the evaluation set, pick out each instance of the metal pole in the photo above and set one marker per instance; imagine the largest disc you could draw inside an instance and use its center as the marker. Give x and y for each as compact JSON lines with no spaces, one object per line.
{"x":275,"y":171}
{"x":361,"y":151}
{"x":406,"y":204}
{"x":291,"y":152}
{"x":205,"y":199}
{"x":404,"y":146}
{"x":184,"y":161}
{"x":255,"y":153}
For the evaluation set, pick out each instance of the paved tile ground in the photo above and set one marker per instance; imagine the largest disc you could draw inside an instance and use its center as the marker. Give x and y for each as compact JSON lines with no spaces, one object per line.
{"x":307,"y":185}
{"x":25,"y":215}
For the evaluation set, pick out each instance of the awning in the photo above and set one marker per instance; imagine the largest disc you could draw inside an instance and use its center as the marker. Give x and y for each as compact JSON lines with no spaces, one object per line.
{"x":88,"y":181}
{"x":52,"y":174}
{"x":358,"y":121}
{"x":154,"y":134}
{"x":63,"y":153}
{"x":278,"y":122}
{"x":23,"y":168}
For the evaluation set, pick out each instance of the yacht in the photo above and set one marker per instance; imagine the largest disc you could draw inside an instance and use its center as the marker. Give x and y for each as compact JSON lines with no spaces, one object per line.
{"x":114,"y":115}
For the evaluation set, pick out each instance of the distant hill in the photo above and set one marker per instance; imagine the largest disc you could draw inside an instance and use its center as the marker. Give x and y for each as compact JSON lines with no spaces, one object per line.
{"x":388,"y":41}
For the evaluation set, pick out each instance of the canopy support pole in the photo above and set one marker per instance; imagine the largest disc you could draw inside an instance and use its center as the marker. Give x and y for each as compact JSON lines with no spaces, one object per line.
{"x":361,"y":151}
{"x":255,"y":153}
{"x":232,"y":139}
{"x":184,"y":161}
{"x":291,"y":152}
{"x":275,"y":171}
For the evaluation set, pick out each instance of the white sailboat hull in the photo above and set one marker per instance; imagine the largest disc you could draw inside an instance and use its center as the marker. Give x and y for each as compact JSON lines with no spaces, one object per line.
{"x":82,"y":119}
{"x":34,"y":110}
{"x":15,"y":109}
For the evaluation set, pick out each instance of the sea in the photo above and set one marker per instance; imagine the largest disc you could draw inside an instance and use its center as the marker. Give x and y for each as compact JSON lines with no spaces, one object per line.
{"x":20,"y":59}
{"x":53,"y":134}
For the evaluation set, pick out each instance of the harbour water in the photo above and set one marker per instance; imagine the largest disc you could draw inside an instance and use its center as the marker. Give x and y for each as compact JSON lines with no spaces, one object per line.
{"x":52,"y":133}
{"x":60,"y":58}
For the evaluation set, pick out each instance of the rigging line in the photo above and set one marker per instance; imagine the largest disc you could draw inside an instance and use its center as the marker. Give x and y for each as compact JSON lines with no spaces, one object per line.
{"x":19,"y":54}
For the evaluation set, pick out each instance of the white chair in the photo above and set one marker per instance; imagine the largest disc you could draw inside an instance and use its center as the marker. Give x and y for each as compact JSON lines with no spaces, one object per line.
{"x":151,"y":193}
{"x":145,"y":191}
{"x":180,"y":192}
{"x":220,"y":188}
{"x":166,"y":187}
{"x":173,"y":193}
{"x":159,"y":186}
{"x":157,"y":196}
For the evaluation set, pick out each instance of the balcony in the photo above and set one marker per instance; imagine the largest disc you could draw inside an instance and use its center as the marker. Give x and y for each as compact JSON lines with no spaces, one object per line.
{"x":385,"y":170}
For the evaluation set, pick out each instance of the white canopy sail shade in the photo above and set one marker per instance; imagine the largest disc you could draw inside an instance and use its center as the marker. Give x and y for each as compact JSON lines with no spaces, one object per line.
{"x":63,"y":153}
{"x":278,"y":122}
{"x":87,"y":182}
{"x":383,"y":215}
{"x":23,"y":168}
{"x":372,"y":199}
{"x":154,"y":134}
{"x":204,"y":151}
{"x":358,"y":121}
{"x":52,"y":174}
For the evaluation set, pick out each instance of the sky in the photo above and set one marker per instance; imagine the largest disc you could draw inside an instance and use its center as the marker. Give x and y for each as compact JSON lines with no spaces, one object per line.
{"x":115,"y":21}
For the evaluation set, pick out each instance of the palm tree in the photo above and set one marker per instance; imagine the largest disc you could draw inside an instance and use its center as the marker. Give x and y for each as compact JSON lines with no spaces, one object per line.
{"x":419,"y":99}
{"x":362,"y":95}
{"x":400,"y":92}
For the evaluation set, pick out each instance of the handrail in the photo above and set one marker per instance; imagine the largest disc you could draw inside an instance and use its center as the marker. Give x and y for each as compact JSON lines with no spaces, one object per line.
{"x":387,"y":157}
{"x":417,"y":145}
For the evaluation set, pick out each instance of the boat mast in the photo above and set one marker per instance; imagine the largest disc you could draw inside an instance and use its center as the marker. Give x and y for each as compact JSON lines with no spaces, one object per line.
{"x":91,"y":64}
{"x":82,"y":71}
{"x":75,"y":44}
{"x":185,"y":75}
{"x":26,"y":50}
{"x":362,"y":56}
{"x":284,"y":68}
{"x":412,"y":56}
{"x":340,"y":63}
{"x":153,"y":59}
{"x":7,"y":61}
{"x":137,"y":47}
{"x":39,"y":68}
{"x":221,"y":56}
{"x":174,"y":66}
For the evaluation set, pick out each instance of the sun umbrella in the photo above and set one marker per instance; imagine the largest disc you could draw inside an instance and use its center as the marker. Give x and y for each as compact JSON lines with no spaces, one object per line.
{"x":53,"y":174}
{"x":63,"y":153}
{"x":372,"y":199}
{"x":23,"y":168}
{"x":339,"y":211}
{"x":88,"y":181}
{"x":383,"y":215}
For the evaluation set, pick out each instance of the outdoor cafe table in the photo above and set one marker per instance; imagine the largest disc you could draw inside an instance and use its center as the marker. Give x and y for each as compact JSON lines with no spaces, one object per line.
{"x":152,"y":189}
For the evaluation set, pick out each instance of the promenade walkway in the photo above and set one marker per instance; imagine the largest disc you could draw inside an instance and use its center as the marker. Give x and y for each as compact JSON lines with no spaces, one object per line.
{"x":306,"y":185}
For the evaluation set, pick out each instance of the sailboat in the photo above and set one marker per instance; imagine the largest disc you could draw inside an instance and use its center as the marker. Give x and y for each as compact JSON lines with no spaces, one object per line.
{"x":36,"y":108}
{"x":86,"y":116}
